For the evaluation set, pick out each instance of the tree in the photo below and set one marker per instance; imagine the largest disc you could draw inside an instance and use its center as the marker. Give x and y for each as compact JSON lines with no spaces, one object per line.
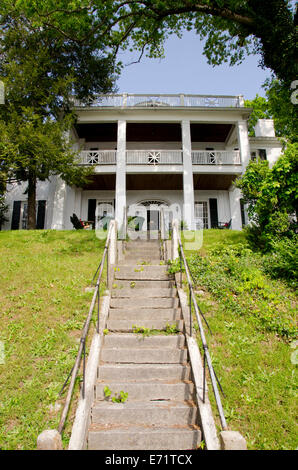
{"x":277,"y":106}
{"x":42,"y":71}
{"x":40,"y":150}
{"x":231,"y":28}
{"x":271,"y":196}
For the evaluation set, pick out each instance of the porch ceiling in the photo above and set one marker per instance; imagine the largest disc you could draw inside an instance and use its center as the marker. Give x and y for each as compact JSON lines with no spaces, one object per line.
{"x":215,"y":182}
{"x":106,"y":182}
{"x":151,"y":181}
{"x":153,"y":132}
{"x":99,"y":132}
{"x":210,"y":132}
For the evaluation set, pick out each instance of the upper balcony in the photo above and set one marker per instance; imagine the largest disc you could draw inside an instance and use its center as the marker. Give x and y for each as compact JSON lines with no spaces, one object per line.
{"x":127,"y":100}
{"x":150,"y":158}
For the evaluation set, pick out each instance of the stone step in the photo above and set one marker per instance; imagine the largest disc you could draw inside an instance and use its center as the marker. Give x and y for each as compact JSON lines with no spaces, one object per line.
{"x":142,"y":284}
{"x":141,"y":261}
{"x":142,"y":253}
{"x":138,"y":413}
{"x":148,"y":293}
{"x":147,"y":268}
{"x":157,"y":390}
{"x":138,"y":341}
{"x":143,"y":438}
{"x":142,"y":243}
{"x":143,"y":275}
{"x":126,"y":325}
{"x":133,"y":372}
{"x":144,"y":302}
{"x":144,"y":356}
{"x":144,"y":314}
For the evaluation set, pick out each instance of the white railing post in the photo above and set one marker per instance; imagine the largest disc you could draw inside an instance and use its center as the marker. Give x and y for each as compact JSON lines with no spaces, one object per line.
{"x":175,"y":242}
{"x":113,"y":243}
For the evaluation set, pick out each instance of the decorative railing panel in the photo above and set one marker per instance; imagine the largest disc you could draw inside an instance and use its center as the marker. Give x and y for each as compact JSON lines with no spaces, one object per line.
{"x":154,"y":157}
{"x":216,"y":157}
{"x":98,"y":157}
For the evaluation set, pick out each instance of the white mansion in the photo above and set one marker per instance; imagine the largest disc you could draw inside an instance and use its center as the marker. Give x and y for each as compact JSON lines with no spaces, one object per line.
{"x":181,"y":150}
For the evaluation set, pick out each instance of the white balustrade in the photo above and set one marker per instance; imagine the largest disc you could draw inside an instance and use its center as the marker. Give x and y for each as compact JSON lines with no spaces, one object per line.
{"x":98,"y":157}
{"x":161,"y":157}
{"x":154,"y":157}
{"x":216,"y":157}
{"x":165,"y":100}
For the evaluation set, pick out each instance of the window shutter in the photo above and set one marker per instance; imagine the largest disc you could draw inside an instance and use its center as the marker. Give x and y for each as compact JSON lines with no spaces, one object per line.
{"x":15,"y":220}
{"x":41,"y":212}
{"x":213,"y":213}
{"x":242,"y":212}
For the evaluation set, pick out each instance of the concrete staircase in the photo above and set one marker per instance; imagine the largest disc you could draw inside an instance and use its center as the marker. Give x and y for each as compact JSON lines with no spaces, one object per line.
{"x":159,"y":413}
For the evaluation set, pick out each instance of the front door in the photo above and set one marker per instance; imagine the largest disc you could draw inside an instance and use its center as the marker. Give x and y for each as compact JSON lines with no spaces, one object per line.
{"x":152,"y":220}
{"x":104,"y":214}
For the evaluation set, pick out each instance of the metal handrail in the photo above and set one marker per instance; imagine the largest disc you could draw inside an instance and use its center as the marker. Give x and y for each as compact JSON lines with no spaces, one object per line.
{"x":207,"y":358}
{"x":82,"y":349}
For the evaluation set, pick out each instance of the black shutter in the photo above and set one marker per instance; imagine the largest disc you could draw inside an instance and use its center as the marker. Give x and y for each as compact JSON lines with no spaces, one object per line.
{"x":213,"y":213}
{"x":242,"y":212}
{"x":16,"y":213}
{"x":41,"y":212}
{"x":91,"y":210}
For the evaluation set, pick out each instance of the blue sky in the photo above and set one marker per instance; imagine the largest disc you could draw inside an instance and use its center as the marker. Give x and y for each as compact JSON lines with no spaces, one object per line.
{"x":185,"y":70}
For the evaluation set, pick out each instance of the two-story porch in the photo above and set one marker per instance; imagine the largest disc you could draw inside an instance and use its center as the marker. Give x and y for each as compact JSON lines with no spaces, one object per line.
{"x":166,"y":149}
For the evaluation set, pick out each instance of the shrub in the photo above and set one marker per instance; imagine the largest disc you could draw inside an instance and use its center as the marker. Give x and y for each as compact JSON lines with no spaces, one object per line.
{"x":282,"y":262}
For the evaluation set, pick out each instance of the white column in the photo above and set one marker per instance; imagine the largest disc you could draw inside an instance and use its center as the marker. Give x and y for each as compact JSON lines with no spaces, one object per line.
{"x":78,"y":202}
{"x":235,"y":196}
{"x":120,"y":193}
{"x":69,"y":207}
{"x":243,"y":143}
{"x":59,"y":204}
{"x":188,"y":191}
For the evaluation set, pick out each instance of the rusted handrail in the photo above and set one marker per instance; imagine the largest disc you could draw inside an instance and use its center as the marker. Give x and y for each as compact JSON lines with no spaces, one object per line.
{"x":82,"y":349}
{"x":198,"y":313}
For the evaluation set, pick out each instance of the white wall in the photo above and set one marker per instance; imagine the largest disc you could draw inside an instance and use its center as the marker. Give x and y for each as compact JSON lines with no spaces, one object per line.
{"x":44,"y":191}
{"x":169,"y":197}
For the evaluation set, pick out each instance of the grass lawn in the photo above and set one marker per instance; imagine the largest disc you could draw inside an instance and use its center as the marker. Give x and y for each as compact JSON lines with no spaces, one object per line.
{"x":43,"y":275}
{"x":253,"y":321}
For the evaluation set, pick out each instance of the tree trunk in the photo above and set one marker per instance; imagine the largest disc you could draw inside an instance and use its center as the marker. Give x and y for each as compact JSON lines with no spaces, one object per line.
{"x":31,"y":201}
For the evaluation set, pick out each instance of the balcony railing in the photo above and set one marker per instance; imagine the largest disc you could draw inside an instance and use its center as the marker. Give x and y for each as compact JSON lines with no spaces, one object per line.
{"x":161,"y":157}
{"x":98,"y":157}
{"x":128,"y":100}
{"x":216,"y":157}
{"x":154,"y":157}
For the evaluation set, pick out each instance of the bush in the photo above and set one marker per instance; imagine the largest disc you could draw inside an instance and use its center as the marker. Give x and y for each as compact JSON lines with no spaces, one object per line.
{"x":282,"y":262}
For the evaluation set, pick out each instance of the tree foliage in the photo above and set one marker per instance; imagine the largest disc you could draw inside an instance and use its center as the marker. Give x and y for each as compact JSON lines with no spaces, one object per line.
{"x":42,"y":70}
{"x":271,"y":196}
{"x":231,"y":28}
{"x":277,"y":106}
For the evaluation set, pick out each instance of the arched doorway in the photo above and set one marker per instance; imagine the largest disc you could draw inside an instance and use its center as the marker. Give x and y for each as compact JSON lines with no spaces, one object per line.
{"x":153,"y":207}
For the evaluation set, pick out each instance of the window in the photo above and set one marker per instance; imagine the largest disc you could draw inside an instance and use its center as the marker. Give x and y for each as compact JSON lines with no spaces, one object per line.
{"x":243,"y":214}
{"x":19,"y":219}
{"x":201,"y":215}
{"x":260,"y":153}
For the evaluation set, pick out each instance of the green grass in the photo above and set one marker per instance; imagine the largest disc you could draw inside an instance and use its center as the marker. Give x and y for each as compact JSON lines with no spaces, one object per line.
{"x":253,"y":320}
{"x":43,"y":275}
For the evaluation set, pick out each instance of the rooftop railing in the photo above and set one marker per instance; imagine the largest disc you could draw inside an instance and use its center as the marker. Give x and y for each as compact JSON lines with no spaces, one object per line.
{"x":127,"y":100}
